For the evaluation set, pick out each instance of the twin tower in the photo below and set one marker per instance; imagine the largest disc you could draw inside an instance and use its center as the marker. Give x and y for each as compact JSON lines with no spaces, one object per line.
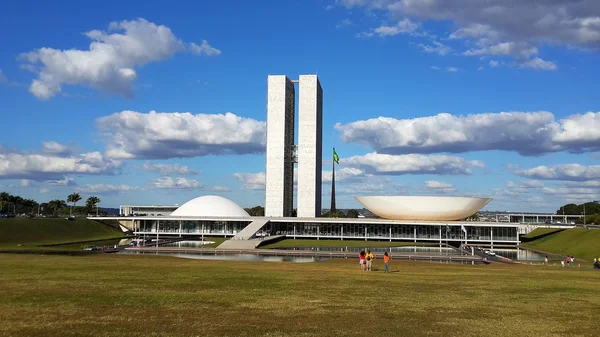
{"x":282,"y":153}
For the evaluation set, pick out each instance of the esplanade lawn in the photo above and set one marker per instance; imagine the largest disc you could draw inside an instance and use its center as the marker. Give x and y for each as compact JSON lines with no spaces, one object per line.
{"x":121,"y":295}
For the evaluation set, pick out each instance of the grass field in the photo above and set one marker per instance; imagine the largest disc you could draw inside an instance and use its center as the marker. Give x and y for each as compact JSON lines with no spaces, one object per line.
{"x":578,"y":242}
{"x":217,"y":241}
{"x":540,"y":232}
{"x":288,"y":243}
{"x":119,"y":295}
{"x":32,"y":233}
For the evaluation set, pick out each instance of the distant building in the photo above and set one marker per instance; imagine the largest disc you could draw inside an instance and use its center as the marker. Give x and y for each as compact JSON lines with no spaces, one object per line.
{"x":154,"y":210}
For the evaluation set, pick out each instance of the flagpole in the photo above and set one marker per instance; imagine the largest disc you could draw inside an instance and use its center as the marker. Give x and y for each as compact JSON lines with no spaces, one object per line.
{"x":333,"y":208}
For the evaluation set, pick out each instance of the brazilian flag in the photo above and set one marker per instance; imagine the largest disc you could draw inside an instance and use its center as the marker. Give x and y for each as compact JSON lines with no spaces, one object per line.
{"x":336,"y":158}
{"x":447,"y":229}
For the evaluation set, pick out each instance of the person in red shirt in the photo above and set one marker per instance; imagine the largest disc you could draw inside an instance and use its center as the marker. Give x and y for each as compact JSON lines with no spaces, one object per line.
{"x":362,"y":260}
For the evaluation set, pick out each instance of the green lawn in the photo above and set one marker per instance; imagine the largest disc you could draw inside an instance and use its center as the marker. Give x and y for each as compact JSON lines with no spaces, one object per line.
{"x":578,"y":242}
{"x":540,"y":232}
{"x":122,"y":295}
{"x":217,"y":241}
{"x":31,"y":233}
{"x":290,"y":243}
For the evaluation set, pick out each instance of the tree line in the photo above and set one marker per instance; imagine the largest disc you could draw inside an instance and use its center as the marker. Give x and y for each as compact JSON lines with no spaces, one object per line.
{"x":592,"y":212}
{"x":574,"y":209}
{"x":13,"y":204}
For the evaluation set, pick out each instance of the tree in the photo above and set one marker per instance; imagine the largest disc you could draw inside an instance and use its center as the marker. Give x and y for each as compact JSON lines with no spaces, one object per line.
{"x":570,"y":209}
{"x":573,"y":209}
{"x":73,"y":198}
{"x":92,"y":203}
{"x":56,"y":205}
{"x":336,"y":214}
{"x":352,"y":213}
{"x":256,"y":211}
{"x":3,"y":200}
{"x":473,"y":217}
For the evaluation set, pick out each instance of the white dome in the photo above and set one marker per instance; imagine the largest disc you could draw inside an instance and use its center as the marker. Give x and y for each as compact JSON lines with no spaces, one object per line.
{"x":211,"y":206}
{"x":422,"y":207}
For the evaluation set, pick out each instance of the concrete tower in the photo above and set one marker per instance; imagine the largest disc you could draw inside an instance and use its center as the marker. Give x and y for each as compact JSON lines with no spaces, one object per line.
{"x":279,"y":170}
{"x":310,"y":146}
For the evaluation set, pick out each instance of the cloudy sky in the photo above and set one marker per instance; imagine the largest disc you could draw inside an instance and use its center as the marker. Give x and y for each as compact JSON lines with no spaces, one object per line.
{"x":159,"y":102}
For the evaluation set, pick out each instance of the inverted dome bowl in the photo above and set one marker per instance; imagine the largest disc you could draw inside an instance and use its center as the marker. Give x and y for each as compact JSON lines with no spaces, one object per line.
{"x":422,"y":207}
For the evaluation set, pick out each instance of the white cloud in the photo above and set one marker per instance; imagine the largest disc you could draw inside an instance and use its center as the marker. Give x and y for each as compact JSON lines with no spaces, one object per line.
{"x":494,"y":64}
{"x":344,"y":23}
{"x":106,"y":189}
{"x":47,"y":166}
{"x":343,"y":174}
{"x":251,"y":181}
{"x":166,"y":169}
{"x":157,"y":135}
{"x":438,"y":48}
{"x":536,"y":199}
{"x":435,"y":68}
{"x":63,"y":182}
{"x":404,"y":26}
{"x":44,"y":190}
{"x":500,"y":27}
{"x":175,"y":183}
{"x":438,"y":186}
{"x":523,"y":187}
{"x":111,"y":61}
{"x":480,"y":68}
{"x":452,"y":69}
{"x":573,"y":172}
{"x":385,"y":164}
{"x":24,"y":182}
{"x":527,"y":133}
{"x":539,"y":64}
{"x":360,"y":189}
{"x":2,"y":77}
{"x":220,"y":189}
{"x":204,"y":49}
{"x":505,"y":48}
{"x":57,"y":149}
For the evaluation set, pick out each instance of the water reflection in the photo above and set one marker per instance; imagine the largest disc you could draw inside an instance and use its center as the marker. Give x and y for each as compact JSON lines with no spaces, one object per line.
{"x":235,"y":257}
{"x":188,"y":244}
{"x":524,"y":254}
{"x":443,"y":251}
{"x":100,"y":243}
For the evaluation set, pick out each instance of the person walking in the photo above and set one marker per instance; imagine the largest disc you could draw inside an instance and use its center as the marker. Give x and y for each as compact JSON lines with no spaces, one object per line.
{"x":546,"y":260}
{"x":361,"y":257}
{"x":386,"y":262}
{"x":572,"y":261}
{"x":370,"y":259}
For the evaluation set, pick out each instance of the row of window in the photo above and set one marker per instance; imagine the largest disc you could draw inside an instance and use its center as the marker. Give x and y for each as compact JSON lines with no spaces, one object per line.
{"x":500,"y":233}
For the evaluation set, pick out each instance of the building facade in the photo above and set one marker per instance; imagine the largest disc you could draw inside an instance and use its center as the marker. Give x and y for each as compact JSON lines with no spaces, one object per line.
{"x":279,"y":167}
{"x":310,"y":146}
{"x":282,"y":153}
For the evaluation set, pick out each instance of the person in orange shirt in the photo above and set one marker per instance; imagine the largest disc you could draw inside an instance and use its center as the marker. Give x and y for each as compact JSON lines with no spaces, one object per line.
{"x":386,"y":262}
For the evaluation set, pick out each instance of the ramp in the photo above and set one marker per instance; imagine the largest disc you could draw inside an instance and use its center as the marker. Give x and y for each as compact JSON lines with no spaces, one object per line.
{"x":250,"y":231}
{"x":246,"y":238}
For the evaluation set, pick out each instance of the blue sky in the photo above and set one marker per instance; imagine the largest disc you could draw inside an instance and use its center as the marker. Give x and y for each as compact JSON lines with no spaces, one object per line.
{"x":421,"y":98}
